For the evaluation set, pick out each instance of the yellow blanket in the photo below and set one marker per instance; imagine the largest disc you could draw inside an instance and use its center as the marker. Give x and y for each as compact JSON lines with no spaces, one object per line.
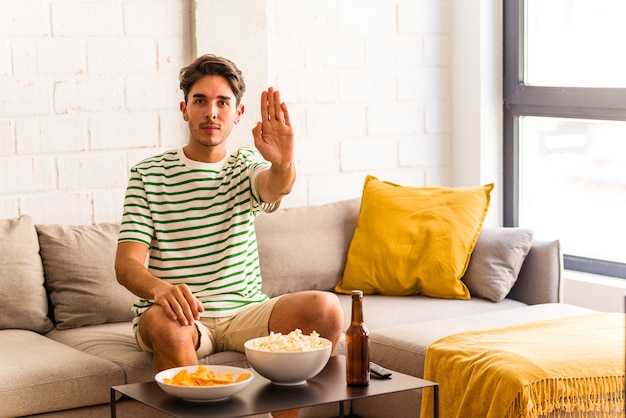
{"x":570,"y":365}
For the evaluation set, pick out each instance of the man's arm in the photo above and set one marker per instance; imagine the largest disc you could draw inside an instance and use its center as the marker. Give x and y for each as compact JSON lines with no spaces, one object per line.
{"x":177,"y":300}
{"x":273,"y":137}
{"x":276,"y":182}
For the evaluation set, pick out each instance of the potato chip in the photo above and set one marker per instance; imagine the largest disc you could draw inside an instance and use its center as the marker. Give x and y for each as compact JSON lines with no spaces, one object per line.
{"x":204,"y":377}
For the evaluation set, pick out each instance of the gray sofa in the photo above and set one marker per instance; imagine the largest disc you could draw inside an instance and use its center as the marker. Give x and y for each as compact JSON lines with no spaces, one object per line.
{"x":65,"y":334}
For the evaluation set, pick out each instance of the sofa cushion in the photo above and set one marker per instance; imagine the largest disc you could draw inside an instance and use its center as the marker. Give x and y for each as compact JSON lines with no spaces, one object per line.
{"x":496,"y":262}
{"x":41,"y":375}
{"x":403,"y":347}
{"x":382,"y":311}
{"x":412,"y":240}
{"x":114,"y":342}
{"x":23,"y":300}
{"x":79,"y":265}
{"x":305,"y":247}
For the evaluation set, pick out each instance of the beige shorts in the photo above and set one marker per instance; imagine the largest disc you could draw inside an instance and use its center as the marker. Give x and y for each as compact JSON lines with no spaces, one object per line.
{"x":228,"y":333}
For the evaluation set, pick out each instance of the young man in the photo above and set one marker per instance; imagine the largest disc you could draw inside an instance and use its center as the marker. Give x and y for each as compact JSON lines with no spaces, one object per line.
{"x":192,"y":210}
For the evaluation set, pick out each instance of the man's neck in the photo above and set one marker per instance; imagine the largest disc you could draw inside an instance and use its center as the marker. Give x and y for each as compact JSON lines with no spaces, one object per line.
{"x":204,"y":154}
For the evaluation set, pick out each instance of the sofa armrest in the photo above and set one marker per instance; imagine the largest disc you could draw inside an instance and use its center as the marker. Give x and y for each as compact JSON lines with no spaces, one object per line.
{"x":541,"y":277}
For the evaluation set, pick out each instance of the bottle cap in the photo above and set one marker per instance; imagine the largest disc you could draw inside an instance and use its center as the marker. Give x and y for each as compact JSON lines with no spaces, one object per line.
{"x":358,"y":293}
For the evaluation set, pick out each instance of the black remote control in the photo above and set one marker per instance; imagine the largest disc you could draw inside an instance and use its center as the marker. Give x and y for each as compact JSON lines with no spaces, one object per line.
{"x":379,"y":372}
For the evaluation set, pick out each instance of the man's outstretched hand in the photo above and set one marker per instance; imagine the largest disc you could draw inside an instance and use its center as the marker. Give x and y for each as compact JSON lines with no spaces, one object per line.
{"x":273,"y":135}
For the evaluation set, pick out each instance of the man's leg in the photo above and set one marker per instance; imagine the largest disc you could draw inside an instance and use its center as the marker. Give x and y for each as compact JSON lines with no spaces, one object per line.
{"x":173,"y":344}
{"x":309,"y":311}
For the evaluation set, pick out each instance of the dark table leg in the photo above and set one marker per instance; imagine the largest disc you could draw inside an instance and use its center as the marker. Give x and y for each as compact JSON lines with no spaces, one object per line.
{"x":113,"y":404}
{"x":436,"y":401}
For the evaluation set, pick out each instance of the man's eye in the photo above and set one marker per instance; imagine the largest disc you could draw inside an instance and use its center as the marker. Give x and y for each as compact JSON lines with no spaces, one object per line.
{"x":200,"y":101}
{"x":224,"y":103}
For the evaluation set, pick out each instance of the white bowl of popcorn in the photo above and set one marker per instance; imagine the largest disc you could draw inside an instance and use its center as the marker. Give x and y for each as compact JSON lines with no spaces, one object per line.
{"x":290,"y":359}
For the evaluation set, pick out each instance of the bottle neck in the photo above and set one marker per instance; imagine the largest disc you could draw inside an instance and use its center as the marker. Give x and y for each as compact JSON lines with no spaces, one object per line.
{"x":357,"y":310}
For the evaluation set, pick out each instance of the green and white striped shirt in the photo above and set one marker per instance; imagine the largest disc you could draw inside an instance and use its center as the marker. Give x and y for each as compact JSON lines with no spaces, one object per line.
{"x":198,"y":221}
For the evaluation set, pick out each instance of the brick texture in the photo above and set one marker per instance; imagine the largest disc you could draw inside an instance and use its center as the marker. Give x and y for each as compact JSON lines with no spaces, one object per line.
{"x":91,"y":87}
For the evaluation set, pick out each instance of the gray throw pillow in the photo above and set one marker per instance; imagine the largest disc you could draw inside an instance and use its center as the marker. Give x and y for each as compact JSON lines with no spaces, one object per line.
{"x":496,"y":262}
{"x":79,"y":264}
{"x":23,"y":301}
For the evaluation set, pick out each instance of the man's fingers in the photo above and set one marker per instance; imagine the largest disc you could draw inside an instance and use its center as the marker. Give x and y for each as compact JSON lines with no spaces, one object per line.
{"x":285,"y":113}
{"x":257,"y":132}
{"x":271,"y":110}
{"x":181,"y":305}
{"x":167,"y":307}
{"x":189,"y":304}
{"x":271,"y":106}
{"x":276,"y":107}
{"x":264,"y":108}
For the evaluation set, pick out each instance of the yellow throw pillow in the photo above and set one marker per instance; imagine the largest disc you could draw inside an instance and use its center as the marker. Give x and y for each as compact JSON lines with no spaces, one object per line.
{"x":414,"y":240}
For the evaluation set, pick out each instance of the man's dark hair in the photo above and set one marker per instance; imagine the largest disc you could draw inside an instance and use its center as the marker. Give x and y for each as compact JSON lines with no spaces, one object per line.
{"x":210,"y":64}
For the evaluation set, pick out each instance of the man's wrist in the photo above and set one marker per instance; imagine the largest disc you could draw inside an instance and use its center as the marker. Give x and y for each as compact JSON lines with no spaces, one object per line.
{"x":284,"y":166}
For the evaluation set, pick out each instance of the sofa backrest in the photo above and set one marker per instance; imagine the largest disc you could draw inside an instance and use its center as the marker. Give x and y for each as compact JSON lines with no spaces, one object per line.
{"x":305,"y":248}
{"x":302,"y":248}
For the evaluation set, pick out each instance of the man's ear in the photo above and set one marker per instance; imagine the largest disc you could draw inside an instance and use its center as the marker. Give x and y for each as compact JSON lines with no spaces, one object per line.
{"x":240,"y":111}
{"x":183,"y":110}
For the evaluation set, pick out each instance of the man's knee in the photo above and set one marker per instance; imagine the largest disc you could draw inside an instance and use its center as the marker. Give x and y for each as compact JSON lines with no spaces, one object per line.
{"x":328,"y":304}
{"x":311,"y":301}
{"x":156,"y":328}
{"x":310,"y":309}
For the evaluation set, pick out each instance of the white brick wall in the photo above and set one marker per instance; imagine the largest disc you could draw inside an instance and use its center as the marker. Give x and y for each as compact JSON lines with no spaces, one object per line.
{"x":370,"y":77}
{"x":90,"y":87}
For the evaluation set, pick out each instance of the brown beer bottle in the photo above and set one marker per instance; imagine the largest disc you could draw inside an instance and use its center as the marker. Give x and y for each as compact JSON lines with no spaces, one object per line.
{"x":357,"y":345}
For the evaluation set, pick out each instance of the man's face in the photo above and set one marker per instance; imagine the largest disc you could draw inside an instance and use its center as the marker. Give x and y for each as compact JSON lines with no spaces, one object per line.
{"x":211,"y":111}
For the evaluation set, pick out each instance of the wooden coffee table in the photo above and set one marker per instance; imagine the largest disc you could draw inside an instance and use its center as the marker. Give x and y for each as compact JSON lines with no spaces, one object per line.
{"x":261,"y":396}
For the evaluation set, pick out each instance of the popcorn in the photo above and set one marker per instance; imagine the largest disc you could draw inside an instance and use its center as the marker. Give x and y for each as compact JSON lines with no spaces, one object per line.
{"x":294,"y":341}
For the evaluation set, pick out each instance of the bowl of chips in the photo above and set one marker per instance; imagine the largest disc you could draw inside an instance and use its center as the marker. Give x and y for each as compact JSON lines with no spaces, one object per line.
{"x":290,"y":359}
{"x":204,"y":383}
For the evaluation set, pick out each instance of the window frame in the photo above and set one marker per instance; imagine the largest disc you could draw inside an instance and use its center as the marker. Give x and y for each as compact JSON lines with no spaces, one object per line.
{"x":521,"y":99}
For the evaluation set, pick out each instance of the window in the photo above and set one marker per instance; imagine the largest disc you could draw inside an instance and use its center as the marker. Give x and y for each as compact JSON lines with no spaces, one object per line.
{"x":565,"y":127}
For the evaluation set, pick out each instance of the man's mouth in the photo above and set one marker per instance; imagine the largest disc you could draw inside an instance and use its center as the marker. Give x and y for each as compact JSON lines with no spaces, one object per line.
{"x":209,"y":128}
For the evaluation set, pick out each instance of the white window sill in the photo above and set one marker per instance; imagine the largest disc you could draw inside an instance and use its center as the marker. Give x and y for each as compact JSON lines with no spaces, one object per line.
{"x":602,"y":293}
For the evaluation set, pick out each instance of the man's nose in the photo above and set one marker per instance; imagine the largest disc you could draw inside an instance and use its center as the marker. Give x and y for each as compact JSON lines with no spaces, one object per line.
{"x":211,"y":112}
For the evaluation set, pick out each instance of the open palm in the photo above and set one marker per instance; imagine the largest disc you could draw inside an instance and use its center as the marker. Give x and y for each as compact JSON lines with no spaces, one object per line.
{"x":273,"y":135}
